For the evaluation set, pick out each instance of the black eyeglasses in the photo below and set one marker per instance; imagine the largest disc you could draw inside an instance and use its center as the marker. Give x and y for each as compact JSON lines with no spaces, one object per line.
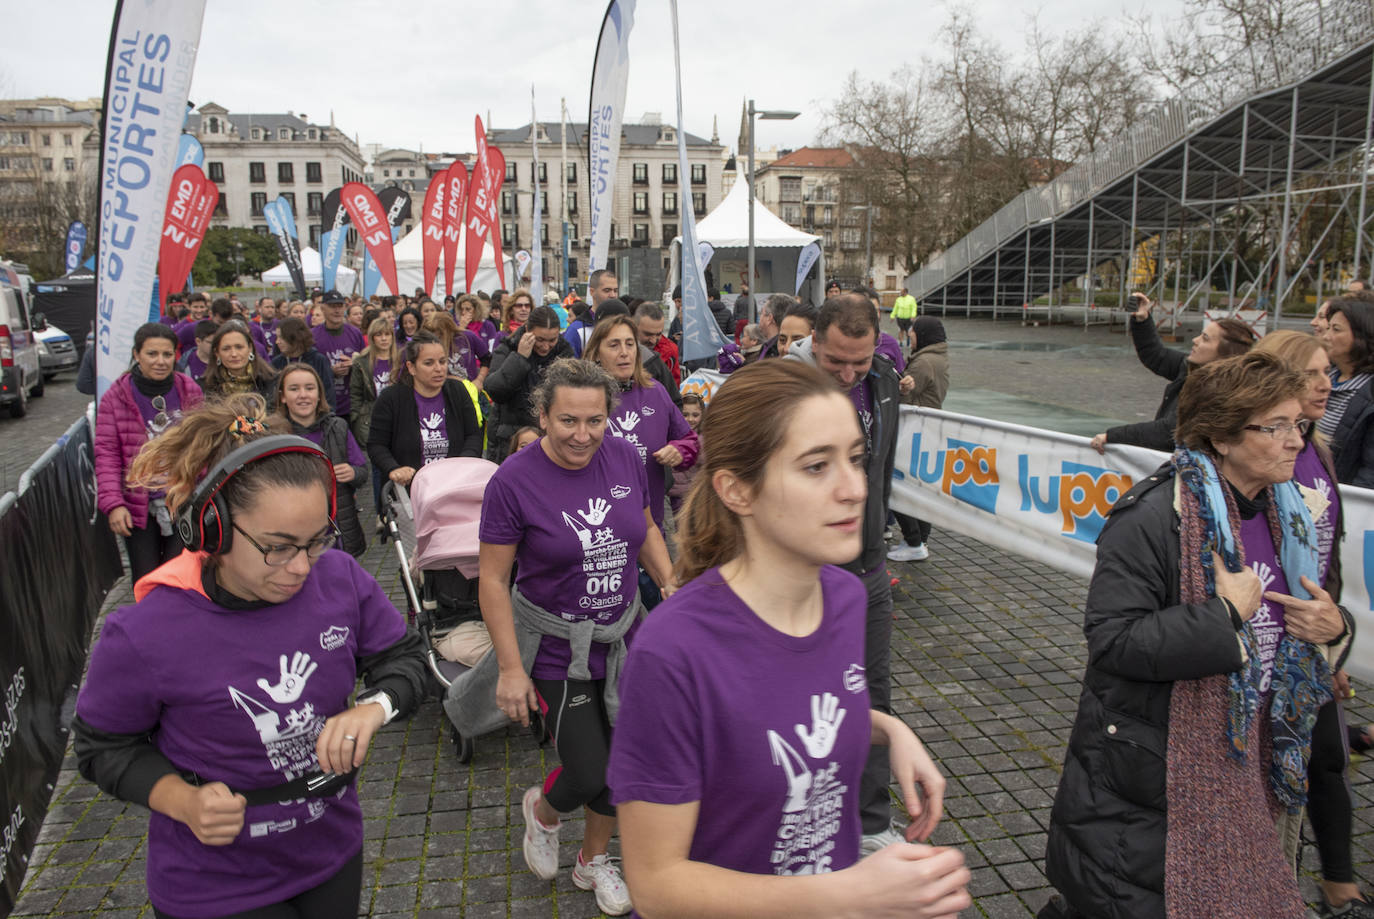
{"x":160,"y":406}
{"x":1281,"y":430}
{"x":277,"y":556}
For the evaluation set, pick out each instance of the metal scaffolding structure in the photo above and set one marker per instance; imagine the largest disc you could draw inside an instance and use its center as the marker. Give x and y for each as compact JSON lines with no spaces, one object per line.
{"x":1190,"y":181}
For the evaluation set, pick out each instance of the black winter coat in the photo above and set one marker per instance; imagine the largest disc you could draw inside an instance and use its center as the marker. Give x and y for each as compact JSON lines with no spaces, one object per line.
{"x":335,"y":446}
{"x":511,"y":382}
{"x":1163,"y":361}
{"x":1352,"y":445}
{"x":394,"y":439}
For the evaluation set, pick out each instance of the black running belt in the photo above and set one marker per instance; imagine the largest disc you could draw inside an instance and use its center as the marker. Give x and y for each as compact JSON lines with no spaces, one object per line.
{"x":311,"y":785}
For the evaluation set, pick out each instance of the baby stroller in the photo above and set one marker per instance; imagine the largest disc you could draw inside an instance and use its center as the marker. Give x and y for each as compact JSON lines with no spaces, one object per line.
{"x":436,"y":524}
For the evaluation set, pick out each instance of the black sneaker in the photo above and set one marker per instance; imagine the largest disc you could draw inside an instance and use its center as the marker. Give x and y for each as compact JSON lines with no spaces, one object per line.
{"x":1353,"y":909}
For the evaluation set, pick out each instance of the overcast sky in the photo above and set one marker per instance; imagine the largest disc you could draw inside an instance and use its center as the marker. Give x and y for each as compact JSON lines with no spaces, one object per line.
{"x":404,"y":73}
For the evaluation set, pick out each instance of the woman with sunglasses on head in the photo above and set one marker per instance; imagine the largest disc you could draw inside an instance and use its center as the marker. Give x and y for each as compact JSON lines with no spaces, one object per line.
{"x":245,"y":752}
{"x":515,"y":311}
{"x":746,"y":721}
{"x":303,"y":411}
{"x":139,"y":406}
{"x":235,"y":366}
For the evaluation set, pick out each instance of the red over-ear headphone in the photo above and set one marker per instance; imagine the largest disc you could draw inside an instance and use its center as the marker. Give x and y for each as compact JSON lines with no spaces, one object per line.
{"x":204,"y":524}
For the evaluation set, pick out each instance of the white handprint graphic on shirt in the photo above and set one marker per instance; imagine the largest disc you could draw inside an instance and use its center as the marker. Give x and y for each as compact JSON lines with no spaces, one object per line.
{"x":433,"y":421}
{"x":629,"y":421}
{"x":292,"y":679}
{"x":826,"y":718}
{"x":597,"y":509}
{"x":794,"y":769}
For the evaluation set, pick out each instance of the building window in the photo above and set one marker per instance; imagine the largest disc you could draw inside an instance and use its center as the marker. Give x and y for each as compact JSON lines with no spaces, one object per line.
{"x":641,"y":173}
{"x":286,"y":173}
{"x":544,"y":203}
{"x":222,"y":206}
{"x":283,"y":133}
{"x":789,"y":188}
{"x":512,"y":172}
{"x":313,"y":134}
{"x":69,"y":164}
{"x":572,"y":172}
{"x":315,"y":236}
{"x":66,"y":140}
{"x":791,"y":213}
{"x":257,"y":133}
{"x":214,"y":125}
{"x":544,"y":234}
{"x":313,"y":173}
{"x":543,"y":173}
{"x":572,"y":202}
{"x":412,"y":173}
{"x":47,"y":140}
{"x":291,"y":200}
{"x":892,"y":282}
{"x":572,"y":267}
{"x":386,"y":173}
{"x":4,"y":162}
{"x":47,"y":164}
{"x":510,"y":204}
{"x":670,"y":202}
{"x":257,"y":172}
{"x":314,"y":203}
{"x":258,"y":201}
{"x":641,"y":232}
{"x":510,"y":235}
{"x":849,"y":237}
{"x":19,"y":137}
{"x":215,"y":171}
{"x":698,"y":173}
{"x":698,"y":203}
{"x":641,"y":202}
{"x":828,"y":216}
{"x":669,"y":173}
{"x":261,"y":229}
{"x":828,"y":239}
{"x":669,"y":234}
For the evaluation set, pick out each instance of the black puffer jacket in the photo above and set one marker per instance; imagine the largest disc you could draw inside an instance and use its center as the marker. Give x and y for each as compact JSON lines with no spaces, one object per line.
{"x":1105,"y":851}
{"x":1352,"y":445}
{"x":1163,"y":361}
{"x":510,"y":383}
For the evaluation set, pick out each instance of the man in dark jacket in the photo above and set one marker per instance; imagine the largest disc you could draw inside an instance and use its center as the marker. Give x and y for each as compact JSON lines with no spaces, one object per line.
{"x":725,"y":317}
{"x":517,"y":367}
{"x":843,"y":345}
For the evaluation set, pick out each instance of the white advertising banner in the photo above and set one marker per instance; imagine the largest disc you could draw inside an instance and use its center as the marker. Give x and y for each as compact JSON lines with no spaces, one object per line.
{"x":1046,"y":495}
{"x":152,"y":54}
{"x":610,"y":77}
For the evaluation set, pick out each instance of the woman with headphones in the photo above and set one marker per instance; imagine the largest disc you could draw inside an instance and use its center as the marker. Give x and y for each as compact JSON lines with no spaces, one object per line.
{"x":245,"y":752}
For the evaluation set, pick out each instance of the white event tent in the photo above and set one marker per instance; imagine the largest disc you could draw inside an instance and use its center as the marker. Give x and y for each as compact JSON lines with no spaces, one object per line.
{"x":777,"y":247}
{"x":310,"y":265}
{"x":410,"y":268}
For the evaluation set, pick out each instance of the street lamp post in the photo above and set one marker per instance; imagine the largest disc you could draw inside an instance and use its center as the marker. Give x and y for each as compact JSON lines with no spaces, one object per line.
{"x":769,"y":115}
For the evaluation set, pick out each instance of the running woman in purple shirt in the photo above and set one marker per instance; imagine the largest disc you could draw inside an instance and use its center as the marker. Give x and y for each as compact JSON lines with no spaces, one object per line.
{"x":746,"y":724}
{"x":225,"y":690}
{"x":573,"y":511}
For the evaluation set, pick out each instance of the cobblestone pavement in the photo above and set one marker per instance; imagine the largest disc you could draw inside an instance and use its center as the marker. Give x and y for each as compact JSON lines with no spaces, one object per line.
{"x":23,"y":440}
{"x":988,"y":653}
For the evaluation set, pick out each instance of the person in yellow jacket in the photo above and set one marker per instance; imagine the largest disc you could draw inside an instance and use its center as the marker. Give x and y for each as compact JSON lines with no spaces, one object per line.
{"x":903,"y":311}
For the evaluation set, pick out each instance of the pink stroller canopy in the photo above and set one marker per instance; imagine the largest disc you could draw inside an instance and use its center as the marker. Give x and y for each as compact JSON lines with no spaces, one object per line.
{"x":447,"y":497}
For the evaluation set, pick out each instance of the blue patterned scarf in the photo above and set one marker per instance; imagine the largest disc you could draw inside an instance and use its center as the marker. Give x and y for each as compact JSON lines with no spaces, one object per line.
{"x":1301,"y":681}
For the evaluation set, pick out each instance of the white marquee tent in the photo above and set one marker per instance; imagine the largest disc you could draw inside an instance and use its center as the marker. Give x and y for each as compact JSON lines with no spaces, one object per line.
{"x":777,"y":247}
{"x":310,"y":265}
{"x":410,"y":268}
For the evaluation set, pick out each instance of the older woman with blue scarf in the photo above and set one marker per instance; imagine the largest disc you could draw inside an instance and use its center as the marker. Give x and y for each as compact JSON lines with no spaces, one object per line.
{"x":1209,"y":639}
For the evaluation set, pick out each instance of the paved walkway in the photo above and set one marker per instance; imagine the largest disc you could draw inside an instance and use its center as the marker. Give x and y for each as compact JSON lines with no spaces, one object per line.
{"x":988,"y":653}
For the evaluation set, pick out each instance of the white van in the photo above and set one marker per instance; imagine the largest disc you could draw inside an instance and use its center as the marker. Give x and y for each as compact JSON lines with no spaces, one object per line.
{"x":21,"y":374}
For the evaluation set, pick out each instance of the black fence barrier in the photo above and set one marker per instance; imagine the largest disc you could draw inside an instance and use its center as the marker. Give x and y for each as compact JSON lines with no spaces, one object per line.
{"x":58,"y":560}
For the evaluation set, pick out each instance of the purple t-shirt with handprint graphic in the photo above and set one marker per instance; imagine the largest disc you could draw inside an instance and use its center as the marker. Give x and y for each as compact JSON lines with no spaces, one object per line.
{"x":1310,"y":473}
{"x":247,"y":714}
{"x":769,"y":732}
{"x":647,"y":418}
{"x":578,"y":533}
{"x":433,"y":427}
{"x":337,"y":346}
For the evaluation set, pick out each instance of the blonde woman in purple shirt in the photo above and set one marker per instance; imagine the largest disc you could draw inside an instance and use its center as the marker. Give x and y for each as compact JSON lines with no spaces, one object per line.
{"x":746,"y":720}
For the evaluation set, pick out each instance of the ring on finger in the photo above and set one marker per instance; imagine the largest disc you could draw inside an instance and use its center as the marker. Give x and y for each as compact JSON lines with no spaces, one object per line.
{"x":350,"y":737}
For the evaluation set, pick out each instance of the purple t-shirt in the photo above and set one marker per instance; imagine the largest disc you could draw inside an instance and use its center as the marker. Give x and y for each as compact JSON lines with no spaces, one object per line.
{"x":171,"y":409}
{"x":720,"y":708}
{"x":1310,"y":473}
{"x":186,"y":334}
{"x":647,"y":418}
{"x":466,"y":357}
{"x":433,"y":427}
{"x":1268,"y":620}
{"x":381,"y":374}
{"x":578,"y":533}
{"x":195,"y":367}
{"x":353,"y":454}
{"x":891,"y":349}
{"x":246,"y":712}
{"x":861,"y":396}
{"x":337,"y":346}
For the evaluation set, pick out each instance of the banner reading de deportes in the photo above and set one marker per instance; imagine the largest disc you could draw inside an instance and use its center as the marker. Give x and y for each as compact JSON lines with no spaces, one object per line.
{"x":59,"y":561}
{"x":606,"y":112}
{"x":152,"y":54}
{"x":1046,"y":495}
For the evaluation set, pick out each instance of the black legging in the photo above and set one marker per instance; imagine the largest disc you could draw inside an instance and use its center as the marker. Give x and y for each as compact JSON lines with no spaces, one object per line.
{"x":914,"y":532}
{"x":335,"y":898}
{"x":1328,"y":796}
{"x":575,"y":714}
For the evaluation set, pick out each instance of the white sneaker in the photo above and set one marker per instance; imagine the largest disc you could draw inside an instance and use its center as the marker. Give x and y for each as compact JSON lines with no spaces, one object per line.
{"x":602,"y":876}
{"x":873,"y":842}
{"x":541,"y":842}
{"x":906,"y":553}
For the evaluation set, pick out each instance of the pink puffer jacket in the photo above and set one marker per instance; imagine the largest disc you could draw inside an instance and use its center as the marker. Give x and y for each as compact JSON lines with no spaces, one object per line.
{"x":119,"y":435}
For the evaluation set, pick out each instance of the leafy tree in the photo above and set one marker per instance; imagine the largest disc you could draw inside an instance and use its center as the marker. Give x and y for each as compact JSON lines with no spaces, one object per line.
{"x":228,"y":252}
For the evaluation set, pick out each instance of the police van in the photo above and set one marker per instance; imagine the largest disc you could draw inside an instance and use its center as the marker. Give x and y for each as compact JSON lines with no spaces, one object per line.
{"x":21,"y":372}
